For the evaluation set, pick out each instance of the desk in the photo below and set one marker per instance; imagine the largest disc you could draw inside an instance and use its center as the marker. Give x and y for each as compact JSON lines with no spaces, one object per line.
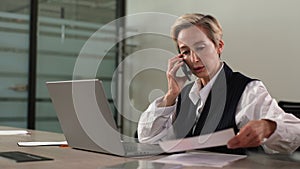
{"x":66,"y":157}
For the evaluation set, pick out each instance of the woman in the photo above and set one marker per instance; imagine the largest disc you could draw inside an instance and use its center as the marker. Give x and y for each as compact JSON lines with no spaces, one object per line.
{"x":218,"y":99}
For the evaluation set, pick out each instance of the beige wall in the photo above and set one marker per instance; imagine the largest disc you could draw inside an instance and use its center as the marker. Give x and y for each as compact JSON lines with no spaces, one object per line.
{"x":261,"y":39}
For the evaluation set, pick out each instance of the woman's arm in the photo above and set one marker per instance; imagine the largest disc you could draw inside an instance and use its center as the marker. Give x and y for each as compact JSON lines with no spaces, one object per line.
{"x":155,"y":123}
{"x":260,"y":118}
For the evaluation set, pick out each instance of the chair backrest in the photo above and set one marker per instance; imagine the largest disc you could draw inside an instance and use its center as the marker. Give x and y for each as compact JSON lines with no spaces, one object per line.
{"x":290,"y":107}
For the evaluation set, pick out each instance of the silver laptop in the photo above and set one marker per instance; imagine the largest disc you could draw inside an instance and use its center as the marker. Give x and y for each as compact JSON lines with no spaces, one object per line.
{"x":87,"y":121}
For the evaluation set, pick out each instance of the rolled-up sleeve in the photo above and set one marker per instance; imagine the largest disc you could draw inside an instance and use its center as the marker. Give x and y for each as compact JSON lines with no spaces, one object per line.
{"x":256,"y":104}
{"x":155,"y":124}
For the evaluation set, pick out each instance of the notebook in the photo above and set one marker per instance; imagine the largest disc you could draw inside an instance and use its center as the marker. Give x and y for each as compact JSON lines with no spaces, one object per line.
{"x":87,"y":122}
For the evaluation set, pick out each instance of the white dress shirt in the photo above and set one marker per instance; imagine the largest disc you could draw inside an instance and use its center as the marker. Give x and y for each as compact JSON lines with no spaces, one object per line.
{"x":256,"y":103}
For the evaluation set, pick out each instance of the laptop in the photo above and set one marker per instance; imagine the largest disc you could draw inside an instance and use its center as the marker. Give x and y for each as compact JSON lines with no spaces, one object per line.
{"x":87,"y":121}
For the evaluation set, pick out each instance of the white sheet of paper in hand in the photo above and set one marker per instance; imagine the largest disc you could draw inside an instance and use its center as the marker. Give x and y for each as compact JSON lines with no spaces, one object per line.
{"x":219,"y":138}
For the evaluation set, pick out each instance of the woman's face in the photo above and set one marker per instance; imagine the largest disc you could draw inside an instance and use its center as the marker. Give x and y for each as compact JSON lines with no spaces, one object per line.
{"x":199,"y":52}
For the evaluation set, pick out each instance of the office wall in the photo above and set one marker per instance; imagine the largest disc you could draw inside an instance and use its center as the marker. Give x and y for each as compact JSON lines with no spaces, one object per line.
{"x":261,"y":40}
{"x":63,"y":30}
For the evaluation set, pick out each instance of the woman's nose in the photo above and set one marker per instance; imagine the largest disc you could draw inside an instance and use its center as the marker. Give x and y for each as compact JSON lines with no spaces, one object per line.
{"x":194,"y":57}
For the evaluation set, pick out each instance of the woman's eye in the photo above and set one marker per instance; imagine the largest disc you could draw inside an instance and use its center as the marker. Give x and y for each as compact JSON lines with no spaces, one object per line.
{"x":199,"y":48}
{"x":185,"y":52}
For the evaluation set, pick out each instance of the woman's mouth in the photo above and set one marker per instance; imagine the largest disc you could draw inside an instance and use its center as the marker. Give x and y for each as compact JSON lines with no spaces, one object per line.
{"x":199,"y":69}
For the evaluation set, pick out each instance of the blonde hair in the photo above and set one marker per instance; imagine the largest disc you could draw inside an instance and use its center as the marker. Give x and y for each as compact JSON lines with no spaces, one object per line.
{"x":207,"y":23}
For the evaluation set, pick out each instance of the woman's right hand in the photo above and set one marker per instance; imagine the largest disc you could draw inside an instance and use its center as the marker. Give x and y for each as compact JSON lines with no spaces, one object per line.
{"x":175,"y":83}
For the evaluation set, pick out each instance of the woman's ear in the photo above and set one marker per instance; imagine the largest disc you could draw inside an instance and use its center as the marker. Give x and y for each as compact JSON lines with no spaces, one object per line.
{"x":221,"y":47}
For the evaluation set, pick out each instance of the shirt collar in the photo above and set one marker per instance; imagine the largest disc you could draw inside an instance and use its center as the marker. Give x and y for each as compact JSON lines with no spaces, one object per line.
{"x":198,"y":91}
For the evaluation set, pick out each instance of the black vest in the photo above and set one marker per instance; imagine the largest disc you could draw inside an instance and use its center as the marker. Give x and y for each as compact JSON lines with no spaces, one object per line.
{"x":218,"y":112}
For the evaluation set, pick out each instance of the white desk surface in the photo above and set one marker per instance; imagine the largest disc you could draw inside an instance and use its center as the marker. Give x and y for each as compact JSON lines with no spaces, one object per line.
{"x":66,"y":157}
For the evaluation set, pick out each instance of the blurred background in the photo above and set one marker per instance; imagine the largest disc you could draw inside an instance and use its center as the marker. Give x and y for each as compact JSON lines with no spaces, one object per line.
{"x":41,"y":41}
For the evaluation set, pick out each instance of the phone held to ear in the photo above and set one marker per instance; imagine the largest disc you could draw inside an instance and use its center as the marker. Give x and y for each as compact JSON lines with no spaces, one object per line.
{"x":184,"y":68}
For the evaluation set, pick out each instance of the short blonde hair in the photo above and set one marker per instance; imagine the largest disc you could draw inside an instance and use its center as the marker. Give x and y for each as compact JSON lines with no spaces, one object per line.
{"x":206,"y":23}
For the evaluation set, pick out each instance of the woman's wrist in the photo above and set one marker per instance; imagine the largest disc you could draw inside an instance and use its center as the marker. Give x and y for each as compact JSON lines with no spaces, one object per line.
{"x":168,"y":100}
{"x":270,"y":127}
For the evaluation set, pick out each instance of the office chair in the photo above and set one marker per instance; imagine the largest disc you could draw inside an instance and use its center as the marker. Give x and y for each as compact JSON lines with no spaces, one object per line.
{"x":290,"y":107}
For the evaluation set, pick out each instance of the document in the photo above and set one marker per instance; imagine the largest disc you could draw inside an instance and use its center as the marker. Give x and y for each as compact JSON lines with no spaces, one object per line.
{"x":219,"y":138}
{"x":206,"y":159}
{"x":143,"y":164}
{"x":42,"y":143}
{"x":13,"y":132}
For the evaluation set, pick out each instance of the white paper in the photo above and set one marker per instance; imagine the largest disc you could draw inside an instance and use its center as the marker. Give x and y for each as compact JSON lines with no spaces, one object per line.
{"x":13,"y":132}
{"x":219,"y":138}
{"x":42,"y":143}
{"x":201,"y":159}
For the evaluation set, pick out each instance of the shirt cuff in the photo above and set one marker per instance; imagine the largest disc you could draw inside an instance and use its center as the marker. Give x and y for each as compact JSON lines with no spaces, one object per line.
{"x":280,"y":141}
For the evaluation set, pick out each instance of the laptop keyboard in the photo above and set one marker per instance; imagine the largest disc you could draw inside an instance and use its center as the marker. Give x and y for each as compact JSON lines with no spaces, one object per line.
{"x":142,"y":148}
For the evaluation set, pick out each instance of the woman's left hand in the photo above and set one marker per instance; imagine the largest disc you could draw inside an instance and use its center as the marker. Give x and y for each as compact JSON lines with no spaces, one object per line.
{"x":252,"y":134}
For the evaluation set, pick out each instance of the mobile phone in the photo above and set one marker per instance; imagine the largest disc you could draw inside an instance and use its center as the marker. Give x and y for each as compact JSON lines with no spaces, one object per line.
{"x":185,"y":69}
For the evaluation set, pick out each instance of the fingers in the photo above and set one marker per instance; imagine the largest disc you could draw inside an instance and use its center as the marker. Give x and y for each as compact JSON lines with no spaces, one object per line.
{"x":243,"y":141}
{"x":175,"y":83}
{"x":248,"y":136}
{"x":174,"y":64}
{"x":174,"y":60}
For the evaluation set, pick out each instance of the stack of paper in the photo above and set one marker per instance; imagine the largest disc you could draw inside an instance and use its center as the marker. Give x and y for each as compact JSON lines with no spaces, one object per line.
{"x":219,"y":138}
{"x":201,"y":159}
